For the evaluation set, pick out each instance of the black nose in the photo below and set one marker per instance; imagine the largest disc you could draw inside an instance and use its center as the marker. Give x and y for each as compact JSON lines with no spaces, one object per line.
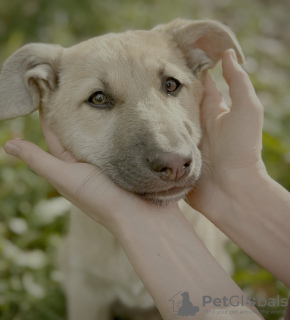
{"x":171,"y":166}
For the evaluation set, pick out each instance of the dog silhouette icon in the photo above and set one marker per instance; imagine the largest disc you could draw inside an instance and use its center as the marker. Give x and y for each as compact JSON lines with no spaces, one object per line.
{"x":187,"y":308}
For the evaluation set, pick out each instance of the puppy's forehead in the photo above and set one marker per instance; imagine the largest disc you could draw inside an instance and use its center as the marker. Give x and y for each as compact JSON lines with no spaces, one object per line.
{"x":118,"y":53}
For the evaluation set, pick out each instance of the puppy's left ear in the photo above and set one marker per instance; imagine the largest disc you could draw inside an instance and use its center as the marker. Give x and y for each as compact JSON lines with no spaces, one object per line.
{"x":202,"y":42}
{"x":27,"y":78}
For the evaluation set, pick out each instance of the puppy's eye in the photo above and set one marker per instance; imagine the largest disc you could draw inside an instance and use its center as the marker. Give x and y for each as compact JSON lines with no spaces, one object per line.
{"x":99,"y":99}
{"x":171,"y":84}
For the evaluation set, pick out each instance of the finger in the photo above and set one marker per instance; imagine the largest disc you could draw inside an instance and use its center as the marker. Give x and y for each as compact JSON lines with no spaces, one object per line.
{"x":212,"y":103}
{"x":210,"y":90}
{"x":53,"y":143}
{"x":41,"y":162}
{"x":242,"y":92}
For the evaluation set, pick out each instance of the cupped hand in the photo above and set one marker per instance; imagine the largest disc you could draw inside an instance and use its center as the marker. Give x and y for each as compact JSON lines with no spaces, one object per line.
{"x":232,"y":140}
{"x":83,"y":184}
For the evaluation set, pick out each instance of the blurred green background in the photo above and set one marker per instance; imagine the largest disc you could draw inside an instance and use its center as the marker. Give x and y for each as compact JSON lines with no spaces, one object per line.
{"x":32,"y":215}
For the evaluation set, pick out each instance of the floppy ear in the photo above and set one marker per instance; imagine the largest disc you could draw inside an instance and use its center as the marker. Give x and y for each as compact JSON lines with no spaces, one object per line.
{"x":202,"y":42}
{"x":27,"y":78}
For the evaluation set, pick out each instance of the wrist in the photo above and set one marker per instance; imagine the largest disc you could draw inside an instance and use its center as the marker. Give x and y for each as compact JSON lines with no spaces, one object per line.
{"x":236,"y":189}
{"x":140,"y":218}
{"x":256,"y":218}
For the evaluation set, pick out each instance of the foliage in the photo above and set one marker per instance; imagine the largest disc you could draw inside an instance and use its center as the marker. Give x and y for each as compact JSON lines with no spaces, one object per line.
{"x":33,"y":216}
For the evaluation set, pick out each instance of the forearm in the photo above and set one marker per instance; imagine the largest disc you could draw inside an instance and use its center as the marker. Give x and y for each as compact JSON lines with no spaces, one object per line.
{"x":169,"y":258}
{"x":257,"y":218}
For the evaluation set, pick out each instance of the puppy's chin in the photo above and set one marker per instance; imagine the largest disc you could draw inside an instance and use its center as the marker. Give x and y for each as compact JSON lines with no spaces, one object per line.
{"x":164,"y":198}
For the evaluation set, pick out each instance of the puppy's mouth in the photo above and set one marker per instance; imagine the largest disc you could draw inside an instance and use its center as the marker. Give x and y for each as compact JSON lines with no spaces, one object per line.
{"x":166,"y":196}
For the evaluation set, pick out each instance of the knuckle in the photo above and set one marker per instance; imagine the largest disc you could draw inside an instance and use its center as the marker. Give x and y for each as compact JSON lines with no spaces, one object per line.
{"x":244,"y":77}
{"x":259,"y":108}
{"x":62,"y":182}
{"x":60,"y":186}
{"x":29,"y":160}
{"x":252,"y":96}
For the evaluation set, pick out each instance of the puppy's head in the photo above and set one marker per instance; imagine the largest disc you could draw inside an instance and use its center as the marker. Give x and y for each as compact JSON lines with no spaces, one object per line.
{"x":127,"y":103}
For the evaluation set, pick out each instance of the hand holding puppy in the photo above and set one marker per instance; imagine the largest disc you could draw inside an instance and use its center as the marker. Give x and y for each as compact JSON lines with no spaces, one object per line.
{"x":232,"y":140}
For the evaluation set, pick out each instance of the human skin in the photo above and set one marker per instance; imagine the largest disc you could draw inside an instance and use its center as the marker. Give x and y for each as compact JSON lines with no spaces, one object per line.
{"x":237,"y":195}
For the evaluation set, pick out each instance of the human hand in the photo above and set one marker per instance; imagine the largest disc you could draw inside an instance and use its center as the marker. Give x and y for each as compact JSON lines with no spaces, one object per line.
{"x":81,"y":183}
{"x":232,"y":140}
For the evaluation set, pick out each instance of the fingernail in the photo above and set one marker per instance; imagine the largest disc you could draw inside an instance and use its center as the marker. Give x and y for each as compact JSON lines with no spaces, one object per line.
{"x":11,"y":148}
{"x":233,"y":54}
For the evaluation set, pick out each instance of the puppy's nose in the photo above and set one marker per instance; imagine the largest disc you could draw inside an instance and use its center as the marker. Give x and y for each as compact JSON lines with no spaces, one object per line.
{"x":171,"y":166}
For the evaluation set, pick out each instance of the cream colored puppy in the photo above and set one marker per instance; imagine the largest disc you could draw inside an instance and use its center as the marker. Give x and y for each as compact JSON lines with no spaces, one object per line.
{"x":129,"y":104}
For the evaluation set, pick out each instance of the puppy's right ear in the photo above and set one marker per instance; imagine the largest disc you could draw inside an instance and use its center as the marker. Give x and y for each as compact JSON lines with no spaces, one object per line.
{"x":27,"y":78}
{"x":202,"y":42}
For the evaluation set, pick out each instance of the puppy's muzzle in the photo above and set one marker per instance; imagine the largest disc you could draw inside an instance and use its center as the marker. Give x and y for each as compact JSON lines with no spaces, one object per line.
{"x":171,"y":166}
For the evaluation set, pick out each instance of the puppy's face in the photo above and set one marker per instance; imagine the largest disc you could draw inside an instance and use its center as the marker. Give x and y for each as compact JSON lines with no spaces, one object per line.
{"x":129,"y":103}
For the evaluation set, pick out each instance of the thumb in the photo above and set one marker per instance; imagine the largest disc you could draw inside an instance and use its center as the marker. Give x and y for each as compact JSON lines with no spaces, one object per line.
{"x":41,"y":162}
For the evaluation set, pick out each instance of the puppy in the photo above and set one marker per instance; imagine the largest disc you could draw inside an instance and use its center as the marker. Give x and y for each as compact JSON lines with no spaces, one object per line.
{"x":129,"y":104}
